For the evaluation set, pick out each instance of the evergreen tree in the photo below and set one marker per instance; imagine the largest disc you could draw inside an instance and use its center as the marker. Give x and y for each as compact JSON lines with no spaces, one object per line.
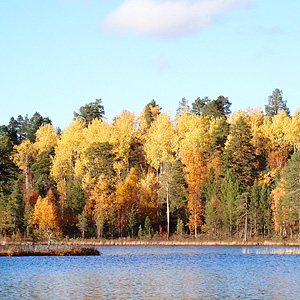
{"x":82,"y":223}
{"x":254,"y":208}
{"x":183,"y":106}
{"x":265,"y":211}
{"x":40,"y":169}
{"x":14,"y":208}
{"x":100,"y":159}
{"x":276,"y":103}
{"x":100,"y":224}
{"x":13,"y":128}
{"x":90,"y":111}
{"x":140,"y":232}
{"x":229,"y":193}
{"x":34,"y":124}
{"x":180,"y":228}
{"x":132,"y":220}
{"x":8,"y":170}
{"x":198,"y":105}
{"x":72,"y":205}
{"x":151,"y":111}
{"x":239,"y":155}
{"x":210,"y":215}
{"x":219,"y":135}
{"x":242,"y":210}
{"x":111,"y":221}
{"x":148,"y":227}
{"x":291,"y":176}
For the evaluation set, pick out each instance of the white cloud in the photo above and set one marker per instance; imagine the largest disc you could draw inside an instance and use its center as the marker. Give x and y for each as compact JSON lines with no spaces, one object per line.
{"x":167,"y":18}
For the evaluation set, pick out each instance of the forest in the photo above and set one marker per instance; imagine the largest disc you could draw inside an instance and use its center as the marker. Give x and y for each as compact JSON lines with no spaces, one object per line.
{"x":205,"y":173}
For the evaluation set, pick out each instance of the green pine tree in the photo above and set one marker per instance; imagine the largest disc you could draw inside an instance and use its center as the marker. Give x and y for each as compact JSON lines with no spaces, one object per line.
{"x":148,"y":227}
{"x":229,"y":194}
{"x":132,"y":220}
{"x":239,"y":155}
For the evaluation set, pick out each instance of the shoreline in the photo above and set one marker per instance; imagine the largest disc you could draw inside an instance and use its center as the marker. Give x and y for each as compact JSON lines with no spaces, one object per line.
{"x":118,"y":242}
{"x":155,"y":242}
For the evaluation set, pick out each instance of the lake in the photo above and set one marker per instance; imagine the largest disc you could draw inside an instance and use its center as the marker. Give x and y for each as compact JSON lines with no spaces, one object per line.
{"x":156,"y":272}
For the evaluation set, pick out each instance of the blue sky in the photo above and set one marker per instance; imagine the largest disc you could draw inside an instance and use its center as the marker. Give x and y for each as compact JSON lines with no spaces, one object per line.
{"x":57,"y":55}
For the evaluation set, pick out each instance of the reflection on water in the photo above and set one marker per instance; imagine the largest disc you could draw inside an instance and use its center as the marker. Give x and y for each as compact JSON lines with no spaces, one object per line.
{"x":153,"y":272}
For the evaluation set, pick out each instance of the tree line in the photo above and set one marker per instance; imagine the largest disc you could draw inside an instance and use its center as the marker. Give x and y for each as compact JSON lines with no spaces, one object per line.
{"x":207,"y":172}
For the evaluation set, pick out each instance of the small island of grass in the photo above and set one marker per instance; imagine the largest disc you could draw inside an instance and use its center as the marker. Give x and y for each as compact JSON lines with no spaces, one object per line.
{"x":59,"y":251}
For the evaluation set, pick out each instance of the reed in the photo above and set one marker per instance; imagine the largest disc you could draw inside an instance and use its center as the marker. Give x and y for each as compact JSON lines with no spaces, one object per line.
{"x":60,"y":251}
{"x":271,"y":250}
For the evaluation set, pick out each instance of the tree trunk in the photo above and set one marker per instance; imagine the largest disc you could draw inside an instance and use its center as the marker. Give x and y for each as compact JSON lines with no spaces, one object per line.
{"x":49,"y":240}
{"x":168,"y":214}
{"x":246,"y":227}
{"x":195,"y":223}
{"x":299,"y":221}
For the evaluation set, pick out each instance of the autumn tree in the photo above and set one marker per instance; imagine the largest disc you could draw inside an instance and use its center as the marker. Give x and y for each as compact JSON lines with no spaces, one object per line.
{"x":45,"y":138}
{"x":160,"y":142}
{"x":66,"y":161}
{"x":194,"y":173}
{"x":123,"y":130}
{"x":126,"y":196}
{"x":172,"y":189}
{"x":45,"y":217}
{"x":277,"y":132}
{"x":23,"y":157}
{"x":148,"y":204}
{"x":100,"y":200}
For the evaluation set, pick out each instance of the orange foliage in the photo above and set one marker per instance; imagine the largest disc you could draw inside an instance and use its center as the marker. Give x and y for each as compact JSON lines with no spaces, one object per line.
{"x":126,"y":195}
{"x":195,"y":172}
{"x":277,"y":159}
{"x":45,"y":216}
{"x":32,"y":198}
{"x":278,"y":211}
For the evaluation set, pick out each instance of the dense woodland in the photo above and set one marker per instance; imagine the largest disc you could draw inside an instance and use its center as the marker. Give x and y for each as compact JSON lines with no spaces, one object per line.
{"x":207,"y":172}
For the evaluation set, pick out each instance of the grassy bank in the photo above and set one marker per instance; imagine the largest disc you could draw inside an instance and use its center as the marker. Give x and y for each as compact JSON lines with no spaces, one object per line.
{"x":188,"y":241}
{"x":174,"y":240}
{"x":59,"y":251}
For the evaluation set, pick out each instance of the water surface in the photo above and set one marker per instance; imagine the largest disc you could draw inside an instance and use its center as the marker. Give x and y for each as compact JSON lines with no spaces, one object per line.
{"x":155,"y":272}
